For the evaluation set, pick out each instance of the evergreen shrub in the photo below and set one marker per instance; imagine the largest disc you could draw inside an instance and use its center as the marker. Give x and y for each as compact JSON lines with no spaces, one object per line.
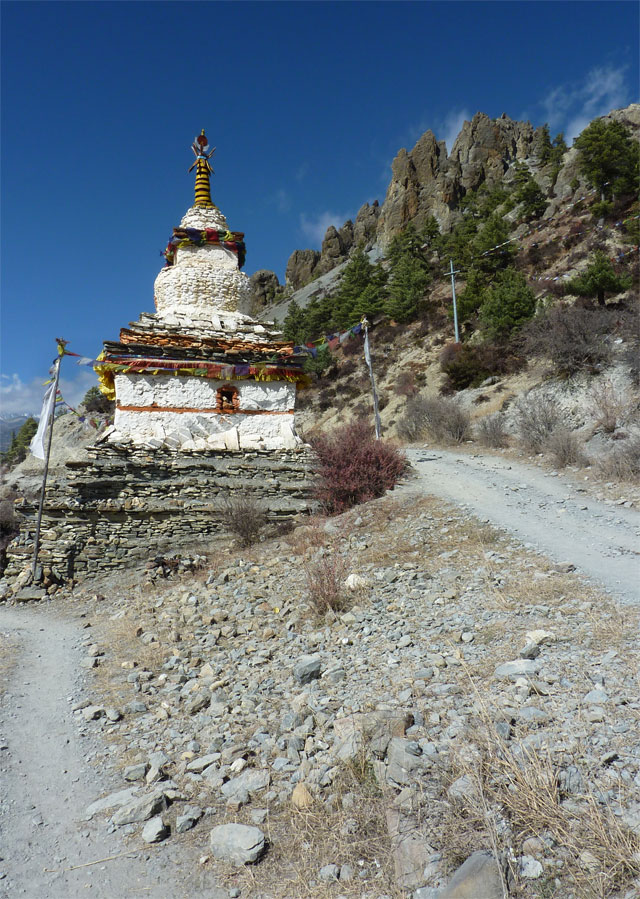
{"x":353,"y":467}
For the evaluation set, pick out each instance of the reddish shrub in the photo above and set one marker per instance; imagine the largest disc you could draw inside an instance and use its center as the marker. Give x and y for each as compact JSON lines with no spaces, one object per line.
{"x":353,"y":467}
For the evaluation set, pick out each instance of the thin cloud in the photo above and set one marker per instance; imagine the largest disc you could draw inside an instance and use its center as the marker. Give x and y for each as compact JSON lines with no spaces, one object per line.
{"x":451,"y":126}
{"x":18,"y":398}
{"x":302,"y":171}
{"x":281,"y":199}
{"x":570,"y":107}
{"x":314,"y":226}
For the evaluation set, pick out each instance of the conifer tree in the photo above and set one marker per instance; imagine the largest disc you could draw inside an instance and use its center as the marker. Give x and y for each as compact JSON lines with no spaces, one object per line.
{"x":599,"y":279}
{"x":543,"y":146}
{"x":492,"y":236}
{"x":608,"y":158}
{"x":472,"y":297}
{"x":507,"y":305}
{"x":20,"y":442}
{"x":528,"y":193}
{"x":294,"y":326}
{"x":406,"y":289}
{"x":358,"y":289}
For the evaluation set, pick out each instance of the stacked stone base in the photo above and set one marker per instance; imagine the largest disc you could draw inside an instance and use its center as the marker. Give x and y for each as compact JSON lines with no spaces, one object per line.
{"x":119,"y":508}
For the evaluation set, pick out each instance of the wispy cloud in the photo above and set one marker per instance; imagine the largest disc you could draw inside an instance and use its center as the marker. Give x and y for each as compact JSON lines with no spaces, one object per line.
{"x":570,"y":107}
{"x":451,"y":126}
{"x":281,"y":199}
{"x":16,"y":397}
{"x":315,"y":226}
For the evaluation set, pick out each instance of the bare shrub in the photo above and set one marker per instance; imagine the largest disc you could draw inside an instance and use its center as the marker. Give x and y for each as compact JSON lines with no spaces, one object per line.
{"x":537,"y":418}
{"x":442,"y":417}
{"x":353,"y":467}
{"x":573,"y":339}
{"x":406,"y":383}
{"x":491,"y":431}
{"x":245,"y":518}
{"x":566,"y":447}
{"x":609,"y":406}
{"x":325,"y":575}
{"x":623,"y":462}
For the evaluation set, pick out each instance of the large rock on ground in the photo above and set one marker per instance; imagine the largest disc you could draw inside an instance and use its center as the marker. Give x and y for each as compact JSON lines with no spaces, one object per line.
{"x":237,"y":843}
{"x":478,"y":877}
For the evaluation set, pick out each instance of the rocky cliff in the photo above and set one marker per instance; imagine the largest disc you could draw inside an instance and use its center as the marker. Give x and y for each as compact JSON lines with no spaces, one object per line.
{"x":425,"y":181}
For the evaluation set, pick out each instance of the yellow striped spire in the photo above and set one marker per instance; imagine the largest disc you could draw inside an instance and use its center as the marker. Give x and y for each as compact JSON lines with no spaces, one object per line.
{"x":203,"y":167}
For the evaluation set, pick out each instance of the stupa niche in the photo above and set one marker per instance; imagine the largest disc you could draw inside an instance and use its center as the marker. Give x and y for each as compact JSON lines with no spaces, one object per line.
{"x":199,"y":374}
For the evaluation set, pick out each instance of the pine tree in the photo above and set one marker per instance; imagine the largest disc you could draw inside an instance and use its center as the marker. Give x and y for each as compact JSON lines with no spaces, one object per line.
{"x":20,"y":442}
{"x":492,"y":236}
{"x":543,"y":148}
{"x":507,"y":305}
{"x":406,"y":289}
{"x":407,"y":243}
{"x":599,"y":279}
{"x":528,"y":193}
{"x":294,"y":326}
{"x":609,"y":158}
{"x":359,"y":276}
{"x":472,"y":297}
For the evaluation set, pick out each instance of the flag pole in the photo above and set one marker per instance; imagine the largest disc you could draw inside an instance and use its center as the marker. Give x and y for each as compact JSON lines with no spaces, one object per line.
{"x":367,"y":357}
{"x":36,"y":546}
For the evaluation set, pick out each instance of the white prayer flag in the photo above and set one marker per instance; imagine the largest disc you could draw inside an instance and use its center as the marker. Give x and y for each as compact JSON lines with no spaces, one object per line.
{"x":37,"y":443}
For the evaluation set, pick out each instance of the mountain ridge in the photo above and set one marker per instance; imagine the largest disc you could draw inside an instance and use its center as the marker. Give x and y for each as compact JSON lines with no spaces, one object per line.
{"x":427,"y":181}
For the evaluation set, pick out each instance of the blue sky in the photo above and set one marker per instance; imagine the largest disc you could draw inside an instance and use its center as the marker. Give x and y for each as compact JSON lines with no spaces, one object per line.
{"x":307,"y":103}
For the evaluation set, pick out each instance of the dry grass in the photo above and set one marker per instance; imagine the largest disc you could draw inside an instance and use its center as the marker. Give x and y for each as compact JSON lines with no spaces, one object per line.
{"x":491,"y":431}
{"x":350,"y":829}
{"x":622,"y":462}
{"x":245,"y":518}
{"x":610,"y":407}
{"x":442,"y":418}
{"x":325,"y":576}
{"x":565,"y":447}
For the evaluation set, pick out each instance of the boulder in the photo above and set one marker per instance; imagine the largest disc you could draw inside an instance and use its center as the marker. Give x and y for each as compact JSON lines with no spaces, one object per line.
{"x":478,"y":876}
{"x":239,"y":844}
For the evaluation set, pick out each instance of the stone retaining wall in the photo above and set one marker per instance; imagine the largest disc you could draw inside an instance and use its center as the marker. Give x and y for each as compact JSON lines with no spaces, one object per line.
{"x":119,"y":507}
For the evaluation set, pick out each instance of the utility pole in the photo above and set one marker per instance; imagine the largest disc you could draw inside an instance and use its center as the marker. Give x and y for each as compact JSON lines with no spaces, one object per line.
{"x":367,"y":357}
{"x":455,"y":308}
{"x":52,"y":412}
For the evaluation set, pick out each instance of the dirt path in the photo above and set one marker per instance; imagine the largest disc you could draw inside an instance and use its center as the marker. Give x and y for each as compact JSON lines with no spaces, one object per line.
{"x":543,"y":509}
{"x":46,"y":782}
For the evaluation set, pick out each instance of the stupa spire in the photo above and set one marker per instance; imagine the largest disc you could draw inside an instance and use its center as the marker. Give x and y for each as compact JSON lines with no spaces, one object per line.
{"x":200,"y":147}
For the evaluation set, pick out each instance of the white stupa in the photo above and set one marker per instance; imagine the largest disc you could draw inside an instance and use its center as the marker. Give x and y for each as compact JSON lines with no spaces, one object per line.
{"x":200,"y":374}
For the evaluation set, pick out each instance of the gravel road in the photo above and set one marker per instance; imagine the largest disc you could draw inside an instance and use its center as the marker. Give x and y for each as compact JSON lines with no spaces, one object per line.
{"x":47,"y":848}
{"x":544,"y":509}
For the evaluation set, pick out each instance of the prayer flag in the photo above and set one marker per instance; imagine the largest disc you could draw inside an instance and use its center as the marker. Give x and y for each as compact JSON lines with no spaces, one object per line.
{"x":37,"y":443}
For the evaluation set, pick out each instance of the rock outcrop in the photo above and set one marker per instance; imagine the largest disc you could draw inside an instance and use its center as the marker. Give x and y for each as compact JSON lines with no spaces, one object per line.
{"x":301,"y":267}
{"x":426,"y":182}
{"x":265,"y":289}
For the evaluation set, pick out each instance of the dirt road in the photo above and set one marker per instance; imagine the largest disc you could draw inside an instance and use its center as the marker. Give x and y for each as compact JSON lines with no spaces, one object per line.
{"x":544,"y":509}
{"x":47,"y":848}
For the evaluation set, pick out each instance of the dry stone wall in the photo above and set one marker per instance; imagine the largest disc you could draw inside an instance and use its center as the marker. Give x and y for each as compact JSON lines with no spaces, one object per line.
{"x":119,"y":507}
